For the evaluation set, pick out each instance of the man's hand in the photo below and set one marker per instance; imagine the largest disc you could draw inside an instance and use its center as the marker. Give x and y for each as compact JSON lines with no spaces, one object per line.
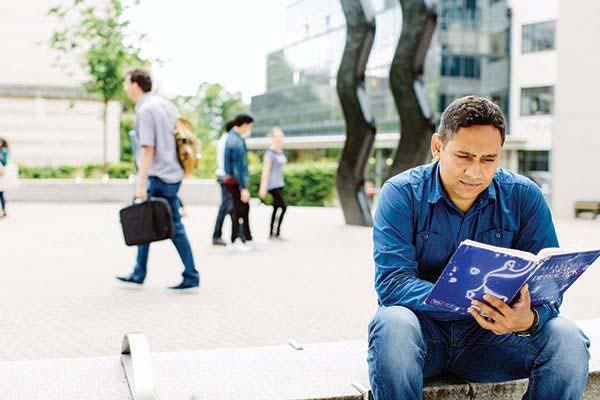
{"x":504,"y":319}
{"x":262,"y":193}
{"x":245,"y":195}
{"x":140,"y":193}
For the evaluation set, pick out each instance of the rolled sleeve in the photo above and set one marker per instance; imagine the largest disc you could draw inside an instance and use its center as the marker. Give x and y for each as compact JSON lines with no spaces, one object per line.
{"x":396,"y":268}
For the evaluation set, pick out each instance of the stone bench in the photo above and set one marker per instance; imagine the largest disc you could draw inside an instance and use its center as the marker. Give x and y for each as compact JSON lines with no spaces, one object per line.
{"x":328,"y":371}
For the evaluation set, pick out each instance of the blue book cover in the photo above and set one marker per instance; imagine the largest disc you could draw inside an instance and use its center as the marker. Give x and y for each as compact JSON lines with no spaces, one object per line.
{"x":476,"y":269}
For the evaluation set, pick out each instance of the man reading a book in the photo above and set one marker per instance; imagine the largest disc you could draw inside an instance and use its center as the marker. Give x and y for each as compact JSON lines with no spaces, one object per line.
{"x":422,"y":217}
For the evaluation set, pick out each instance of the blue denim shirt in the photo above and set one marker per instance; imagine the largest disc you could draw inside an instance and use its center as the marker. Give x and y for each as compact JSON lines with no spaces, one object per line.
{"x":236,"y":161}
{"x":417,"y":228}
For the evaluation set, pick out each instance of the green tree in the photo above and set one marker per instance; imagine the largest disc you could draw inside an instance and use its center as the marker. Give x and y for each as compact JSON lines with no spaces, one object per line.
{"x":99,"y":39}
{"x":209,"y":110}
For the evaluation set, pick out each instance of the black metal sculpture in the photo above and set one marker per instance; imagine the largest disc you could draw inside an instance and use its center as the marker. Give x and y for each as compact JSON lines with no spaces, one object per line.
{"x":416,"y":117}
{"x":360,"y":124}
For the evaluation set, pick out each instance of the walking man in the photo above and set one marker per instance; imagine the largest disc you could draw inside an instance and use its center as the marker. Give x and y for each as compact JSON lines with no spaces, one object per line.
{"x":159,"y":172}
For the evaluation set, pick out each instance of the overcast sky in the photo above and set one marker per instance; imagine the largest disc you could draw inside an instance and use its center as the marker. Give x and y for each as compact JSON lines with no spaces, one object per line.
{"x":222,"y":41}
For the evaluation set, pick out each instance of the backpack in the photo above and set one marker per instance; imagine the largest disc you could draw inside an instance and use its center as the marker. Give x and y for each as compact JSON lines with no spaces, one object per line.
{"x":189,"y":146}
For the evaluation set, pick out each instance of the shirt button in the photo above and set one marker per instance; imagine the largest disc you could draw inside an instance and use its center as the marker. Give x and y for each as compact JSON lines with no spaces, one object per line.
{"x":426,"y":236}
{"x":498,"y":235}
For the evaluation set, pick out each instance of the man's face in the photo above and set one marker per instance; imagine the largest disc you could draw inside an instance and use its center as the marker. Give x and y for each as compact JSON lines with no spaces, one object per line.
{"x":468,"y":162}
{"x":129,"y":88}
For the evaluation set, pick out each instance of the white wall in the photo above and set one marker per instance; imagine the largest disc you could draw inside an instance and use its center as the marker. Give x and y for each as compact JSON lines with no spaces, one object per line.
{"x":530,"y":70}
{"x":576,"y":150}
{"x":43,"y":130}
{"x":58,"y":132}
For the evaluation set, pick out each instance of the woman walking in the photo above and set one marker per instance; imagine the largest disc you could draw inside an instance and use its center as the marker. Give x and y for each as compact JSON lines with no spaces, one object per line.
{"x":272,"y":180}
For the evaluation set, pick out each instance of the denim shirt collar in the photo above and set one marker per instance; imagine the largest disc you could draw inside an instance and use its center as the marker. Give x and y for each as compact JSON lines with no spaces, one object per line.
{"x":437,"y":192}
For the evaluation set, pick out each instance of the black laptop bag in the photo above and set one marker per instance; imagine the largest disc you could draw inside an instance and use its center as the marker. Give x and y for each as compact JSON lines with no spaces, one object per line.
{"x":147,"y":222}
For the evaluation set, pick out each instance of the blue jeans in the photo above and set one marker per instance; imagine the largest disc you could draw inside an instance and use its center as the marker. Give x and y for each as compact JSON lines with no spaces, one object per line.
{"x":405,"y":348}
{"x":225,"y":208}
{"x":168,"y":191}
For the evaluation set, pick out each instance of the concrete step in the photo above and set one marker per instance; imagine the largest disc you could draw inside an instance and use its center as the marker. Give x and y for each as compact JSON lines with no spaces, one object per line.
{"x":328,"y":371}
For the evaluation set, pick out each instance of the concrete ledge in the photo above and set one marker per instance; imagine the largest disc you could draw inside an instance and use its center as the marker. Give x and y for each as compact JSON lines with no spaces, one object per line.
{"x":328,"y":371}
{"x":193,"y":191}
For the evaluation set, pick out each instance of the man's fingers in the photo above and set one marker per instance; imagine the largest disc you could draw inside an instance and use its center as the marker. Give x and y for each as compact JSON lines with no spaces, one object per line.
{"x":525,"y":295}
{"x":496,"y":303}
{"x":480,"y":320}
{"x":487,"y":310}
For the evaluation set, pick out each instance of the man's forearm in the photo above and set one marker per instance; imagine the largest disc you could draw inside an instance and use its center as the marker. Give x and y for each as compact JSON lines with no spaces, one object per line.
{"x":146,"y":157}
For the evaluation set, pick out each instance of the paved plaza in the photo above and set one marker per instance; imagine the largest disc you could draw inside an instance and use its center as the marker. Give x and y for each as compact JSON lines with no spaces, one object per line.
{"x":58,"y":297}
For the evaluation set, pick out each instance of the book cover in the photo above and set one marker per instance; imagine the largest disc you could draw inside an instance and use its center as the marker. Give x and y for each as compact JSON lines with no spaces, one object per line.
{"x":476,"y":269}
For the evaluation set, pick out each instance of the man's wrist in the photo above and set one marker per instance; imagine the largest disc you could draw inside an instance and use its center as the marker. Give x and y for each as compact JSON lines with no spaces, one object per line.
{"x":534,"y":325}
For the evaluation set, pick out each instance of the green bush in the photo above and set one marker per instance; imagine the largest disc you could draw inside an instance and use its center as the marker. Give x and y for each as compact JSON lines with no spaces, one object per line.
{"x":120,"y":170}
{"x":306,"y":184}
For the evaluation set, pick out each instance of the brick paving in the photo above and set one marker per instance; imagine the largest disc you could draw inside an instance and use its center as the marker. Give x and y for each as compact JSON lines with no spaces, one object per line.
{"x":58,"y":297}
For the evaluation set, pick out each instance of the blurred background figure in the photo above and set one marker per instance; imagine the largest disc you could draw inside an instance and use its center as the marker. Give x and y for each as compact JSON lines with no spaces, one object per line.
{"x":272,"y":180}
{"x":226,"y":206}
{"x":9,"y":175}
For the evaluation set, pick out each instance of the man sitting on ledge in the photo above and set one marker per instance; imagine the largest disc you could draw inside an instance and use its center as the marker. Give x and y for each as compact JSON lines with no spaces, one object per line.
{"x":422,"y":216}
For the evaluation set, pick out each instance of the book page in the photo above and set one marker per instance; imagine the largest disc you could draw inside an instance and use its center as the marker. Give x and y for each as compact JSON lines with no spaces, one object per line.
{"x":511,"y":252}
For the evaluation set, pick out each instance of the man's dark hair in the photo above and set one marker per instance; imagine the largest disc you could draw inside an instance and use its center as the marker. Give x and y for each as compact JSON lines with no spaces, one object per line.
{"x":469,"y":111}
{"x":142,"y":78}
{"x":228,"y":125}
{"x":242,"y":118}
{"x":3,"y":143}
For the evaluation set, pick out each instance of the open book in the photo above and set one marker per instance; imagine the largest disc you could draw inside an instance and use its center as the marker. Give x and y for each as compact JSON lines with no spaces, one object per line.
{"x":476,"y":269}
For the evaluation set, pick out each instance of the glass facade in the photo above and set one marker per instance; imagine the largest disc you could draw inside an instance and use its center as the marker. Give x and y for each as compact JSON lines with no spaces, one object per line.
{"x":469,"y":55}
{"x":537,"y":101}
{"x":538,"y":37}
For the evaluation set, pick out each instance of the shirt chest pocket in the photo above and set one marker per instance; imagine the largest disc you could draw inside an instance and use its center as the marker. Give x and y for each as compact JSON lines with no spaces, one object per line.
{"x":433,"y":251}
{"x":497,"y":237}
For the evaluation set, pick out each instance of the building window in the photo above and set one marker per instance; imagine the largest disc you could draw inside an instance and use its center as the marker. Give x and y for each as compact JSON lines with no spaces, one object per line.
{"x":537,"y":101}
{"x":533,"y":161}
{"x":387,"y":4}
{"x":461,"y":66}
{"x":538,"y":37}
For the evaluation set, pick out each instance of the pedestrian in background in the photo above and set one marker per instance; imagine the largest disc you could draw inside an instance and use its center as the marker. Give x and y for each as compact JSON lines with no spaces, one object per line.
{"x":272,"y":180}
{"x":236,"y":180}
{"x":159,"y":172}
{"x":226,"y":207}
{"x":9,"y":175}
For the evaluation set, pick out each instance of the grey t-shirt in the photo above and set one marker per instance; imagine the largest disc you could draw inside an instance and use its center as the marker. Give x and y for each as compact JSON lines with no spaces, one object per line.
{"x":155,"y":122}
{"x":278,"y":160}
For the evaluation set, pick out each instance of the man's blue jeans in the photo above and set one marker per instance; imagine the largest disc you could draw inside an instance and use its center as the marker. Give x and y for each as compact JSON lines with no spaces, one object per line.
{"x":405,"y":347}
{"x":168,"y":191}
{"x":226,"y":208}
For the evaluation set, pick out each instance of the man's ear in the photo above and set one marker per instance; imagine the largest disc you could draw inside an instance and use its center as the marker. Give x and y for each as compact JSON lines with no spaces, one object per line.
{"x":436,"y":146}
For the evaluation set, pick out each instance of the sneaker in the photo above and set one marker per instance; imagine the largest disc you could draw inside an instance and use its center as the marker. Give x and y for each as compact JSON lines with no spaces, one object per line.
{"x":219,"y":242}
{"x":242,"y":246}
{"x":184,"y":288}
{"x":130,"y":281}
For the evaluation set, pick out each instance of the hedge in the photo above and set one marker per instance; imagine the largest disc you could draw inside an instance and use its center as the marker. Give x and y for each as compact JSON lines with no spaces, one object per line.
{"x":120,"y":170}
{"x":306,"y":184}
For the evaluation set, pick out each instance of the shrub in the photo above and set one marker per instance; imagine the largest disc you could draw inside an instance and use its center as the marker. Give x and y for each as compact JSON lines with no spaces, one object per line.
{"x":306,"y":184}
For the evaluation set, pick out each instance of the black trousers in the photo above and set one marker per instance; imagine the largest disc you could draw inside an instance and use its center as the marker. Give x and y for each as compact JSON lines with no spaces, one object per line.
{"x":278,"y":204}
{"x":241,"y":213}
